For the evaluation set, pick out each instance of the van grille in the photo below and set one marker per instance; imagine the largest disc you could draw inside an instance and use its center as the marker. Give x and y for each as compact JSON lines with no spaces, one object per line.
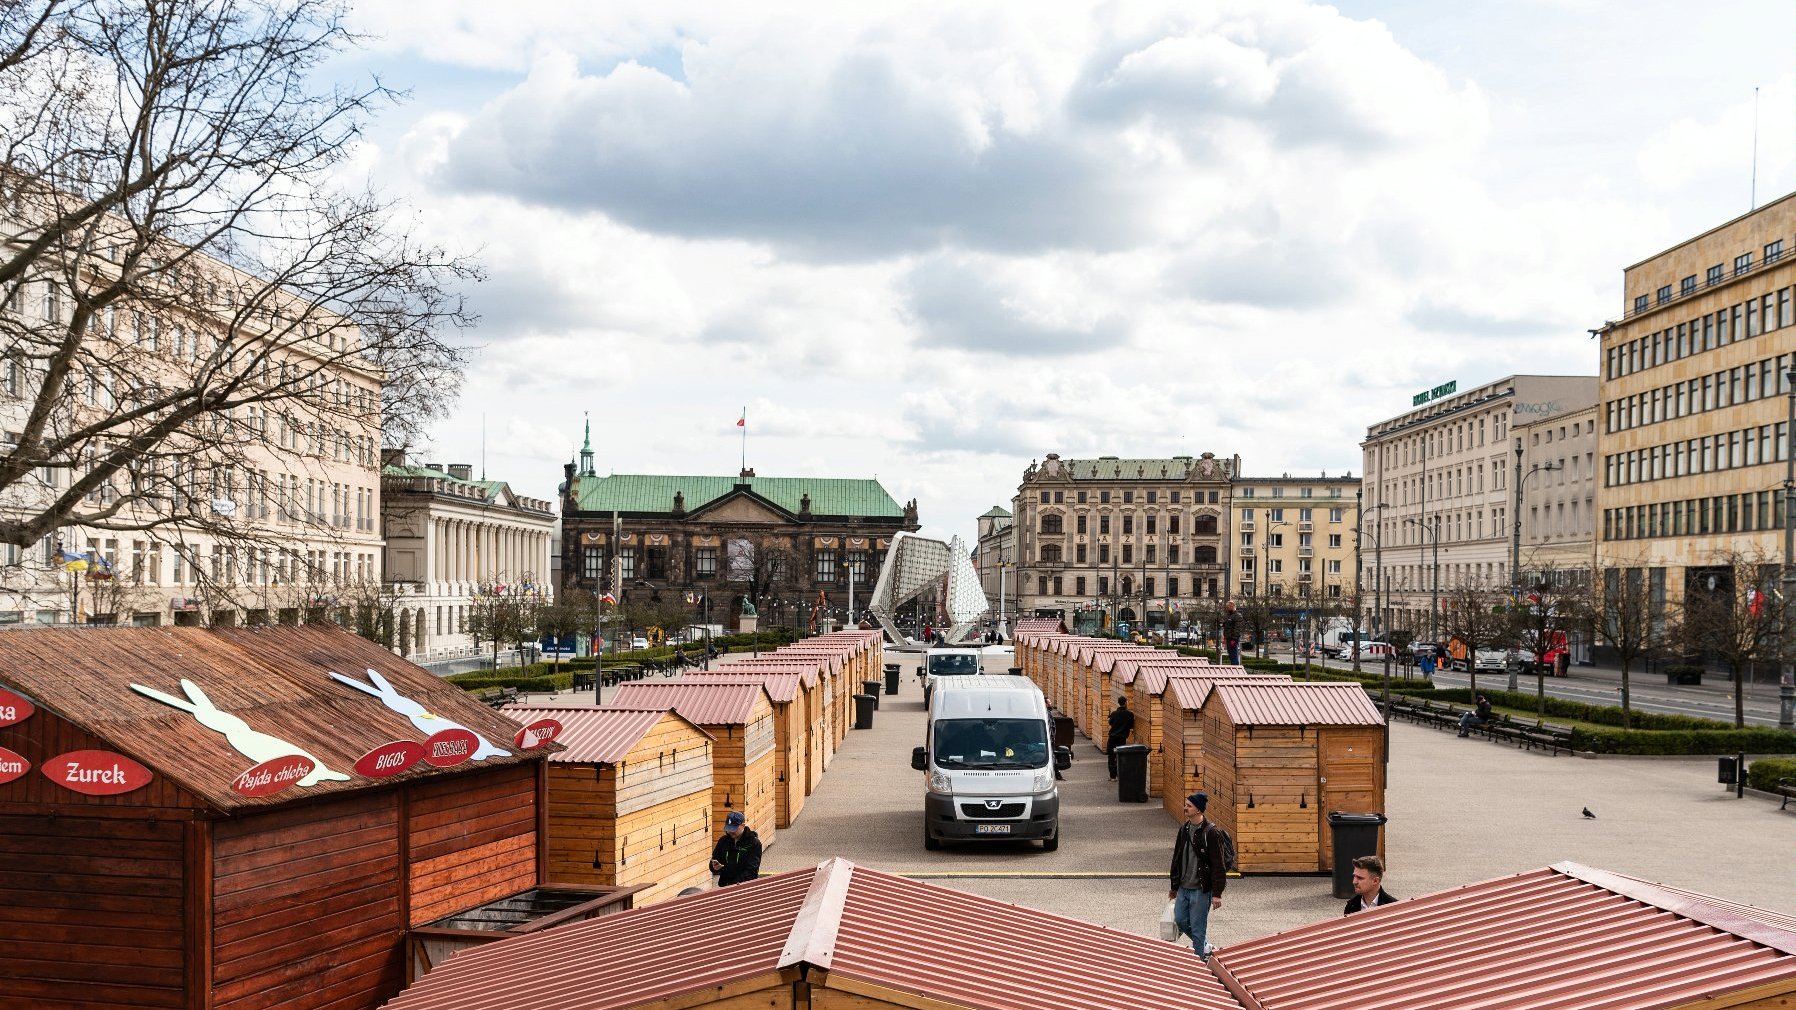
{"x":980,"y":812}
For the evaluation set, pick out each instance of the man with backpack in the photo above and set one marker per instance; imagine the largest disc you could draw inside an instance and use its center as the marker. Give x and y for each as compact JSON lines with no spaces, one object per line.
{"x":1200,"y":863}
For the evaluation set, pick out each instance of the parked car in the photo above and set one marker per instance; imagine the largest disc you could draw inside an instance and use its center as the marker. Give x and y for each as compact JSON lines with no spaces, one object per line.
{"x":638,"y":643}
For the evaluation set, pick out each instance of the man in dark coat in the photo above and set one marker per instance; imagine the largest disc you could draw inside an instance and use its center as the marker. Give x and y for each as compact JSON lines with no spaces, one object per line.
{"x":1368,"y":885}
{"x":1199,"y":873}
{"x":737,"y":856}
{"x":1231,"y":632}
{"x":1122,"y":723}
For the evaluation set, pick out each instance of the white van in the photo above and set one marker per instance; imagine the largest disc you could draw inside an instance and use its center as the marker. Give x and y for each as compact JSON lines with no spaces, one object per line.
{"x":989,"y":763}
{"x":946,"y":662}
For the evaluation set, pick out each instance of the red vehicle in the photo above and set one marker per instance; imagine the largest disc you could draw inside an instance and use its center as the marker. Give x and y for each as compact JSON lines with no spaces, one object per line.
{"x":1555,"y":659}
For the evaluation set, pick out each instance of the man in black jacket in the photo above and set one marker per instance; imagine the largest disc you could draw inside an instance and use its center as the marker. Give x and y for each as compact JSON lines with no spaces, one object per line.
{"x":1368,"y":885}
{"x":1231,"y":632}
{"x":1122,"y":724}
{"x":1199,"y":873}
{"x":737,"y":856}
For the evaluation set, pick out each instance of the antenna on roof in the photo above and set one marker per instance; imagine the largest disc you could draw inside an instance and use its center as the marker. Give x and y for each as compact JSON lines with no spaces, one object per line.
{"x":483,"y":445}
{"x":1755,"y":150}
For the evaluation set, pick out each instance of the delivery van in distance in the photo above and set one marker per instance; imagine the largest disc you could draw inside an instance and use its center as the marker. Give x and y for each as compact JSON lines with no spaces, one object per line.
{"x":988,"y":763}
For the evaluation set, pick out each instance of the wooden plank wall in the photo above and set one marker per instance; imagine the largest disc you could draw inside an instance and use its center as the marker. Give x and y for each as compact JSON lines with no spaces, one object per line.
{"x":91,"y":909}
{"x":815,"y":735}
{"x":791,"y":776}
{"x":44,"y":736}
{"x":665,"y":843}
{"x":1352,"y":761}
{"x":740,"y":784}
{"x":1217,"y":758}
{"x":1181,"y":743}
{"x":306,"y":906}
{"x":472,"y":839}
{"x":1148,"y":725}
{"x":1275,"y":771}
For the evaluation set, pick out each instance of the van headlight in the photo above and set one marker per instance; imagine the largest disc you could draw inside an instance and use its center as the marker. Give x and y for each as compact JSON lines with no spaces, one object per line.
{"x":939,"y":782}
{"x":1044,"y":779}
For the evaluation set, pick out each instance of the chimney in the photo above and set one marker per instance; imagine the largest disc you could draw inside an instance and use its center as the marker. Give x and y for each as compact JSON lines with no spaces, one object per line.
{"x":392,"y":457}
{"x":461,"y":471}
{"x":747,"y":471}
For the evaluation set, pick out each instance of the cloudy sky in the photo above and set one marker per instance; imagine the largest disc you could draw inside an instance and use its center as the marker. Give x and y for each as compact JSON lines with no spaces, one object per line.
{"x":932,"y":242}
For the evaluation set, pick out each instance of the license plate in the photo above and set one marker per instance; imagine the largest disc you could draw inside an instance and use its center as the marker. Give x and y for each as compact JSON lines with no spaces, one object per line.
{"x":992,"y":829}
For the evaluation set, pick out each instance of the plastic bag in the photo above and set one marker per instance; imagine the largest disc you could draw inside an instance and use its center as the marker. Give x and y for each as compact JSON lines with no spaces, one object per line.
{"x":1169,"y":926}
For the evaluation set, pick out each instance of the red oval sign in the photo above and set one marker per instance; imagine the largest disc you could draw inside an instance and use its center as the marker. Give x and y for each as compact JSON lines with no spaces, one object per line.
{"x":537,"y":733}
{"x":12,"y":765}
{"x":97,"y":772}
{"x":14,"y":708}
{"x":390,"y":758}
{"x":273,"y":775}
{"x":450,"y":747}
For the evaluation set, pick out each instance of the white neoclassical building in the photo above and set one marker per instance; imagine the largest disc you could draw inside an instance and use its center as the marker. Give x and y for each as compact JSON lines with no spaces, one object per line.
{"x":449,"y":535}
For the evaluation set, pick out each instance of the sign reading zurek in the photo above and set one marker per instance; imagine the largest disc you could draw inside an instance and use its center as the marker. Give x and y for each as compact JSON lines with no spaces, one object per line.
{"x":450,"y":747}
{"x":273,"y":775}
{"x":12,"y":766}
{"x":537,"y":733}
{"x":13,"y":708}
{"x":390,"y":759}
{"x":97,"y":772}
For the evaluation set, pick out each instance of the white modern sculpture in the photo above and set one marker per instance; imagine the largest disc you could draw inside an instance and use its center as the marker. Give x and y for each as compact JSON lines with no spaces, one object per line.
{"x":914,"y":564}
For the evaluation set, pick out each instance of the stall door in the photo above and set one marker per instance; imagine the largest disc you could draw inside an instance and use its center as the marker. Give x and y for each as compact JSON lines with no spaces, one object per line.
{"x":1352,"y":780}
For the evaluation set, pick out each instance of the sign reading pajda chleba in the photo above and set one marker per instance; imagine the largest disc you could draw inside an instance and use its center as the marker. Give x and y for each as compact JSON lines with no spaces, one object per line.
{"x":1447,"y":388}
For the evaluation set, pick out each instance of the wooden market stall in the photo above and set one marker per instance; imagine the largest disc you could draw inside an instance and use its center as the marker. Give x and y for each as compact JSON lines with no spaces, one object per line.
{"x":243,"y":818}
{"x":819,"y":712}
{"x":787,"y":689}
{"x":1176,"y":697}
{"x":1278,"y":757}
{"x":1141,"y":679}
{"x":629,"y":798}
{"x":740,"y":719}
{"x":1099,"y":694}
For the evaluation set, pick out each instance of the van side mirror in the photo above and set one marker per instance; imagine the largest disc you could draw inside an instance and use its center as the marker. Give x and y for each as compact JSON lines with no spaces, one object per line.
{"x":919,"y":758}
{"x":1063,"y":758}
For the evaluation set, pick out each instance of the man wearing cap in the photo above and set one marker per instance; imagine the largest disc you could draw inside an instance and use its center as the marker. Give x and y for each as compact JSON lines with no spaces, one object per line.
{"x":737,"y":856}
{"x":1199,"y":873}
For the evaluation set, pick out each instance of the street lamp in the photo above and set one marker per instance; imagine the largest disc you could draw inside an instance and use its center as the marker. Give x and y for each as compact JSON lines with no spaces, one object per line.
{"x":1786,"y":690}
{"x":1359,"y":518}
{"x":1515,"y":530}
{"x":1266,"y":583}
{"x":1434,"y":605}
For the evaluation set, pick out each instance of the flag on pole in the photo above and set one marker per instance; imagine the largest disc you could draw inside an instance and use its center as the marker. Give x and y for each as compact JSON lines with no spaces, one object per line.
{"x":608,"y":598}
{"x":72,"y":562}
{"x":742,"y":422}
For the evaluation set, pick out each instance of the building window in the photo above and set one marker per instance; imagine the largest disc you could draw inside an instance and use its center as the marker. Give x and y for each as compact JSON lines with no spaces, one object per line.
{"x":1044,"y":497}
{"x":1334,"y":540}
{"x":627,"y":563}
{"x":1103,"y":526}
{"x":1051,"y":523}
{"x":1152,"y":496}
{"x":1742,"y":263}
{"x":1206,"y":525}
{"x":1275,"y":515}
{"x":1079,"y":553}
{"x":1079,"y":586}
{"x":1128,"y":497}
{"x":1050,"y":554}
{"x":1774,"y":251}
{"x":1716,"y":272}
{"x":1079,"y":524}
{"x":1172,"y":554}
{"x":657,"y":563}
{"x":1172,"y":523}
{"x":1173,"y":497}
{"x":1205,"y":555}
{"x":1128,"y":525}
{"x":1639,"y":303}
{"x":1103,"y":497}
{"x":1103,"y":554}
{"x":1128,"y":554}
{"x":826,"y":565}
{"x":857,"y":565}
{"x":1687,"y":285}
{"x":704,"y":562}
{"x":1041,"y":585}
{"x":1152,"y":521}
{"x":1103,"y":585}
{"x":1059,"y":496}
{"x":1081,"y":497}
{"x":1664,"y":294}
{"x":590,"y":563}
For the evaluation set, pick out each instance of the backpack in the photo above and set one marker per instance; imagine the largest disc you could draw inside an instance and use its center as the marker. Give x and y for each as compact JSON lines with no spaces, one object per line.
{"x":1228,"y":846}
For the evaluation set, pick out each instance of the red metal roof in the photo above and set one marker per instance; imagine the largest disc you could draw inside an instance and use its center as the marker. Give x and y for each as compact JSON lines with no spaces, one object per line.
{"x":594,"y":735}
{"x":1297,"y":705}
{"x":1156,"y":674}
{"x":1105,"y":660}
{"x":845,"y":926}
{"x":1039,"y":625}
{"x":1753,"y":912}
{"x":704,"y":704}
{"x":1566,"y":937}
{"x":1129,"y":667}
{"x":810,"y":671}
{"x":1190,"y":692}
{"x":781,"y":687}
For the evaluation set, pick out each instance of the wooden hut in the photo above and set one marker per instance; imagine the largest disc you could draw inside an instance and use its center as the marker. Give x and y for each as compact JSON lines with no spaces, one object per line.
{"x":839,"y":673}
{"x":788,"y":691}
{"x":1141,"y":679}
{"x":833,"y":937}
{"x":243,"y":818}
{"x":818,"y":714}
{"x":740,"y":719}
{"x":1100,"y":693}
{"x":1177,"y":696}
{"x":1279,"y":757}
{"x":629,"y":798}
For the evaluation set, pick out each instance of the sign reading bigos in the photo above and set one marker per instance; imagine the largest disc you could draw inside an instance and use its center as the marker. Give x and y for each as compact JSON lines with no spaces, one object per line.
{"x":1444,"y":389}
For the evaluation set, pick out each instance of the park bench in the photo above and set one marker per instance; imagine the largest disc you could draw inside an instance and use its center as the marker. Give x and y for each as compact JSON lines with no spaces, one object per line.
{"x":498,"y":696}
{"x":1787,"y":789}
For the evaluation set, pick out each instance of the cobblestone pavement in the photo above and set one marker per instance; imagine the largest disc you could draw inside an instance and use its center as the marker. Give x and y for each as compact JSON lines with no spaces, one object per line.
{"x":1461,"y":811}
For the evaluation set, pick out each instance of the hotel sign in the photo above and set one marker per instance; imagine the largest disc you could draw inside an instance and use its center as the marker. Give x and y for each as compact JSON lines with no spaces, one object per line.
{"x":1444,"y":389}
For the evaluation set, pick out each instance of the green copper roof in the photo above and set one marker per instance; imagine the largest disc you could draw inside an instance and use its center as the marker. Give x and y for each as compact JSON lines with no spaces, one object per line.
{"x":830,"y":496}
{"x":493,"y":487}
{"x":996,"y":513}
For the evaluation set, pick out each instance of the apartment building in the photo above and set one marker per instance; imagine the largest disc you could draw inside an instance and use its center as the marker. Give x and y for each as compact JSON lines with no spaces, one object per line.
{"x":1558,"y":472}
{"x":1695,"y":402}
{"x":1440,"y":491}
{"x":995,"y":559}
{"x":448,"y":537}
{"x":1292,"y":537}
{"x":1142,"y":540}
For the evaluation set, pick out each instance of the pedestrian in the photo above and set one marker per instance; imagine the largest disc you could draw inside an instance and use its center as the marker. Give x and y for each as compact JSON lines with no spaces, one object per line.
{"x":1199,"y":873}
{"x":929,"y":634}
{"x":1231,"y":632}
{"x":1122,"y":724}
{"x":1479,"y":716}
{"x":737,"y":857}
{"x":1368,"y":885}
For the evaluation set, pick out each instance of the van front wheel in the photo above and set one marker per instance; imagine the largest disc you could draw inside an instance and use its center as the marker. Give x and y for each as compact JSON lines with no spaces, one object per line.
{"x":1051,"y":844}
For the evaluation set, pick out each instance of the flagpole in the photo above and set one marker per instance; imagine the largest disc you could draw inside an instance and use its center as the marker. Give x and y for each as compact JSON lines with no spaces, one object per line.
{"x":743,"y":424}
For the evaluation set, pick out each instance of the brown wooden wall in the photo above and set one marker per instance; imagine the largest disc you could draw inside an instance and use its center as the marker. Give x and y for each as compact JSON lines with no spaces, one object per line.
{"x":91,"y":909}
{"x":738,"y":783}
{"x":1277,"y":809}
{"x":1351,"y":759}
{"x":1218,"y":762}
{"x":1181,"y":754}
{"x":792,"y":773}
{"x":663,"y":836}
{"x":1149,"y":723}
{"x":306,"y":906}
{"x":472,"y":839}
{"x":44,"y":736}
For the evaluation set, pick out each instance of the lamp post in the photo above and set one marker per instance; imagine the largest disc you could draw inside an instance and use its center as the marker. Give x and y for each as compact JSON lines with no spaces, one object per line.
{"x":1515,"y":533}
{"x":1786,"y":689}
{"x":1434,"y":538}
{"x":1359,"y":519}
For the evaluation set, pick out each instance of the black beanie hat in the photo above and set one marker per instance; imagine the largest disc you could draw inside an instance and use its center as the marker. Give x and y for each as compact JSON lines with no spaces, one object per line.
{"x":1199,"y":800}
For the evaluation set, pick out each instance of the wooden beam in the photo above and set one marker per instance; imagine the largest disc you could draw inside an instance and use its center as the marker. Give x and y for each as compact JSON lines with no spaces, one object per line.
{"x":196,"y":912}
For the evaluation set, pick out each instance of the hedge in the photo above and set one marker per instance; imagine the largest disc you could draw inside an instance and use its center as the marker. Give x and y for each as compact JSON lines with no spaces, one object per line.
{"x":1725,"y":741}
{"x":481,"y":680}
{"x":1764,"y":773}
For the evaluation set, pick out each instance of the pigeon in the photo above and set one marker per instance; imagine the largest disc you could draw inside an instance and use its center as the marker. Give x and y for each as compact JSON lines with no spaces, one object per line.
{"x":1588,"y":814}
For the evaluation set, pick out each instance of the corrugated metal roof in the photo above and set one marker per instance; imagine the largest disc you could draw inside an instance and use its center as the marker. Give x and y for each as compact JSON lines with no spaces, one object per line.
{"x":1753,"y":912}
{"x":1190,"y":692}
{"x":1298,"y":705}
{"x":781,"y":687}
{"x":810,"y":671}
{"x":838,"y":924}
{"x":704,"y":704}
{"x":1155,"y":676}
{"x":830,"y":496}
{"x":593,"y":735}
{"x":1562,"y":937}
{"x":1126,"y":668}
{"x":275,"y":679}
{"x":1039,"y":625}
{"x":1106,"y":660}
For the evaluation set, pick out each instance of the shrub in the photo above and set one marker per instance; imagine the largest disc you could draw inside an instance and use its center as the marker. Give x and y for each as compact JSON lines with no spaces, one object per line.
{"x":1722,"y":741}
{"x":1764,"y":773}
{"x":480,"y":680}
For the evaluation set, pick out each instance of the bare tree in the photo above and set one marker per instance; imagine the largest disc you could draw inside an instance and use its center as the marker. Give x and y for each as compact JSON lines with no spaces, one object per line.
{"x":187,"y":285}
{"x":567,"y":615}
{"x":1476,"y":618}
{"x":1630,"y":621}
{"x":500,"y":615}
{"x":1554,"y":605}
{"x":1728,"y":612}
{"x":1256,"y":617}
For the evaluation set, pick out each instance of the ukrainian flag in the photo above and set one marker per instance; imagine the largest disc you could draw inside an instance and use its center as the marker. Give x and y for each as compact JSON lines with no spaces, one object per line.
{"x":72,"y":562}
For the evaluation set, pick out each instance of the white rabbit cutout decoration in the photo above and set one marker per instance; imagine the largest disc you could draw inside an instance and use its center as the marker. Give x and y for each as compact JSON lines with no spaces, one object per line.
{"x":426,"y":721}
{"x":251,"y":743}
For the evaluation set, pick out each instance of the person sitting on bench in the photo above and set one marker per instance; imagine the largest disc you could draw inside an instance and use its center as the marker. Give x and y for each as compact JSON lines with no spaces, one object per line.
{"x":1479,"y":716}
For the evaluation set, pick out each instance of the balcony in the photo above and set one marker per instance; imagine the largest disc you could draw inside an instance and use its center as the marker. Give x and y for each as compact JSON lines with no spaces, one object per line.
{"x":1246,"y":526}
{"x":1304,"y":552}
{"x":1305,"y":526}
{"x":1246,"y":552}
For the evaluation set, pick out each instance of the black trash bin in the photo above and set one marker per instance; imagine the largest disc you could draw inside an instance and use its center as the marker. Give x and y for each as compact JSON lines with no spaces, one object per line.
{"x":1063,"y":730}
{"x":891,"y":678}
{"x":863,"y":711}
{"x":1131,"y":772}
{"x":1355,"y":835}
{"x":871,"y":688}
{"x":1015,"y":671}
{"x":1727,"y":769}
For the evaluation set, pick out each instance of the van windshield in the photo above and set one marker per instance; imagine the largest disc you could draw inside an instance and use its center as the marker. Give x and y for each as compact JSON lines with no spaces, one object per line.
{"x":947,"y":663}
{"x":991,"y":743}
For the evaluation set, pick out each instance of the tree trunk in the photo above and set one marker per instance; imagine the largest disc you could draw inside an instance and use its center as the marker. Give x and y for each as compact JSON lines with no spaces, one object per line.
{"x":1739,"y":696}
{"x":1472,"y":671}
{"x":1627,"y":721}
{"x":1540,"y":690}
